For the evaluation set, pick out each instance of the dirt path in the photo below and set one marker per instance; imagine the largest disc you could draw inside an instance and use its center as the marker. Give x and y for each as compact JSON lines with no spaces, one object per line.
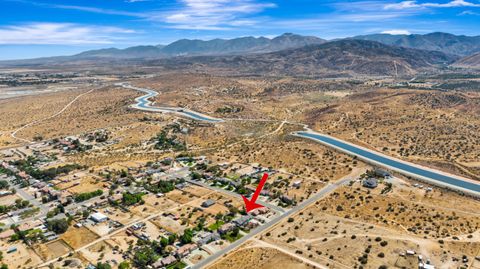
{"x":261,"y":243}
{"x":13,"y":134}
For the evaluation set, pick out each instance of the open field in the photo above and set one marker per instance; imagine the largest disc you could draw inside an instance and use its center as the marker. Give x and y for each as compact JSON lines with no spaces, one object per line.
{"x":52,"y":249}
{"x":258,"y":257}
{"x":78,"y":237}
{"x":23,"y":257}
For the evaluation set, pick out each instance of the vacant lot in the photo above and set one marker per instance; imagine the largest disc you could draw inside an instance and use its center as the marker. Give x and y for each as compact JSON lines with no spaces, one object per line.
{"x":259,"y":258}
{"x":78,"y":237}
{"x":52,"y":249}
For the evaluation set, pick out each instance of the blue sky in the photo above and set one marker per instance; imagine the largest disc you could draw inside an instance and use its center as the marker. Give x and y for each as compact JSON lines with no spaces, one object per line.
{"x":35,"y":28}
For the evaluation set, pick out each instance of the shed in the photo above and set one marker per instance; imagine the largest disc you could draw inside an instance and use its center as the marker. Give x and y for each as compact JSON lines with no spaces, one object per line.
{"x":370,"y":183}
{"x":208,"y":203}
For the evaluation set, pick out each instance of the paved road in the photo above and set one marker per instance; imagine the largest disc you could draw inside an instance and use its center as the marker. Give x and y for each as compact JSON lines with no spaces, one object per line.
{"x":429,"y":175}
{"x":326,"y":190}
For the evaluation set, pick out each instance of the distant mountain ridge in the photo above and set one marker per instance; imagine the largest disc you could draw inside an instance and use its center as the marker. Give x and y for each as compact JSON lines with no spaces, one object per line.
{"x":348,"y":57}
{"x":447,"y":43}
{"x":188,"y":47}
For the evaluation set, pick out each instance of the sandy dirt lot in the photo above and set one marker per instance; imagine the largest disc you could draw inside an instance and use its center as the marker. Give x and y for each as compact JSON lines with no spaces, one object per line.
{"x":84,"y":184}
{"x":118,"y":215}
{"x":78,"y":237}
{"x":122,"y":241}
{"x":180,"y":196}
{"x":52,"y":249}
{"x":9,"y":199}
{"x":196,"y":190}
{"x":258,"y":258}
{"x":343,"y":243}
{"x":168,"y":224}
{"x":160,"y":203}
{"x":23,"y":257}
{"x":101,"y":252}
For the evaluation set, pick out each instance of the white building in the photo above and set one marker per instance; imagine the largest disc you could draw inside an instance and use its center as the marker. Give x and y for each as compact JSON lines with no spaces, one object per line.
{"x":98,"y":217}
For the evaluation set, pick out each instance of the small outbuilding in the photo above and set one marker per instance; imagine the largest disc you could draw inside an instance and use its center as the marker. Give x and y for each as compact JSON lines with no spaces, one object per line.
{"x":370,"y":183}
{"x":208,"y":203}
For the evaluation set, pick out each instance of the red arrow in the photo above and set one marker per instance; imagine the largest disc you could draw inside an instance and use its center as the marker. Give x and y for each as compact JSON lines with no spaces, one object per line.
{"x":250,"y":204}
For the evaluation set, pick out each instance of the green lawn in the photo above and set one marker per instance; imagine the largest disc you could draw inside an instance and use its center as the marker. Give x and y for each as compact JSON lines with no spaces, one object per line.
{"x":215,"y":226}
{"x":177,"y":265}
{"x":231,"y":238}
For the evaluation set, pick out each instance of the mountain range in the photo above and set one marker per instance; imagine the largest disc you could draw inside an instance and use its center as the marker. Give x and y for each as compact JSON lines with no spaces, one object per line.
{"x":188,"y":47}
{"x":447,"y":43}
{"x":378,"y":54}
{"x":347,"y":57}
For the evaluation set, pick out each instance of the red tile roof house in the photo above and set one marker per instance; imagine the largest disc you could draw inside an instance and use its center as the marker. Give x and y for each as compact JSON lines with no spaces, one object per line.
{"x":185,"y":250}
{"x":165,"y":262}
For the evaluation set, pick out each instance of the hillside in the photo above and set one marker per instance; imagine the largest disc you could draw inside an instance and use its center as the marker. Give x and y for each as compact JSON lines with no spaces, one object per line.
{"x":472,"y":61}
{"x":344,"y":57}
{"x":444,"y":42}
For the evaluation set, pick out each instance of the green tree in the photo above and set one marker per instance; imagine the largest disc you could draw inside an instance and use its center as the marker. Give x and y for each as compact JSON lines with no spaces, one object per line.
{"x":144,"y":256}
{"x":124,"y":265}
{"x":59,"y":226}
{"x":4,"y":184}
{"x":187,"y":236}
{"x":131,"y":199}
{"x":103,"y":266}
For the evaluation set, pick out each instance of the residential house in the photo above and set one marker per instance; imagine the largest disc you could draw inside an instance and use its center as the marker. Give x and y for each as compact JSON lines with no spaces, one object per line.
{"x":253,"y":224}
{"x":203,"y":238}
{"x":259,"y":211}
{"x":162,"y":263}
{"x":242,"y":221}
{"x":184,"y":250}
{"x":227,"y":227}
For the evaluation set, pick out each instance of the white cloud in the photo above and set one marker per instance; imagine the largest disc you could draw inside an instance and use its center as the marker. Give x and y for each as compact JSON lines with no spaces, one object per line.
{"x":60,"y":33}
{"x":469,"y":12}
{"x":187,"y":14}
{"x":396,"y":32}
{"x":211,"y":14}
{"x":414,"y":4}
